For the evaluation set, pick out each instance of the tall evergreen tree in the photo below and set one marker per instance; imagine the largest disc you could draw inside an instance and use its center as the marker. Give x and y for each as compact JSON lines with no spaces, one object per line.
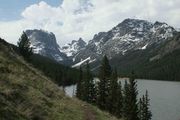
{"x":79,"y":84}
{"x":147,"y":105}
{"x":133,"y":92}
{"x":126,"y":100}
{"x":89,"y":86}
{"x":104,"y":84}
{"x":145,"y":113}
{"x":24,"y":46}
{"x":119,"y":101}
{"x":113,"y":92}
{"x":86,"y":85}
{"x":130,"y":99}
{"x":141,"y":104}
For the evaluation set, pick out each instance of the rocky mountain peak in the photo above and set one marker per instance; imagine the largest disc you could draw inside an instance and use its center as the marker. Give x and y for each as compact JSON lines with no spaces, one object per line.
{"x":81,"y":43}
{"x":44,"y":43}
{"x":129,"y":35}
{"x":42,"y":36}
{"x":72,"y":48}
{"x":132,"y":26}
{"x":133,"y":22}
{"x":157,"y":23}
{"x":98,"y":36}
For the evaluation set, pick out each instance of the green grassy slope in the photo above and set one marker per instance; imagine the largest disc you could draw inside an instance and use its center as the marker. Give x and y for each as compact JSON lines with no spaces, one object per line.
{"x":25,"y":94}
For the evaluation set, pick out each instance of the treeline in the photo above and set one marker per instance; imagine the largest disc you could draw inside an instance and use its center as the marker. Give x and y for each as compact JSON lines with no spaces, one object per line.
{"x":165,"y":68}
{"x":62,"y":75}
{"x":108,"y":94}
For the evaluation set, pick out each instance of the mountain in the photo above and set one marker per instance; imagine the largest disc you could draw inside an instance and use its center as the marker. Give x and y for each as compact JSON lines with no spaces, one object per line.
{"x":129,"y":35}
{"x":133,"y":44}
{"x":160,"y":63}
{"x":26,"y":94}
{"x":152,"y":50}
{"x":44,"y":43}
{"x":72,"y":48}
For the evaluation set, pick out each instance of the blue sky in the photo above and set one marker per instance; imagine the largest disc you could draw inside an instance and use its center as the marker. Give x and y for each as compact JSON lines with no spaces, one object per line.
{"x":11,"y":9}
{"x":71,"y":19}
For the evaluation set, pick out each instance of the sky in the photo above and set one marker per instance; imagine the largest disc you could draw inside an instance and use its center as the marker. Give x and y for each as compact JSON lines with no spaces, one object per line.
{"x":71,"y":19}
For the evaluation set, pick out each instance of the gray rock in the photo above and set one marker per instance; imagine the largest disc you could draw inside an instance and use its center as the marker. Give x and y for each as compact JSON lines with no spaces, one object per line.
{"x":44,"y":43}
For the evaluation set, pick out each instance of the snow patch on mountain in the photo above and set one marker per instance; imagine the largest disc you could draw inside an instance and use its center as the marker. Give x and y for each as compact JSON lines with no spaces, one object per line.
{"x":80,"y":63}
{"x":144,"y":47}
{"x":72,"y":48}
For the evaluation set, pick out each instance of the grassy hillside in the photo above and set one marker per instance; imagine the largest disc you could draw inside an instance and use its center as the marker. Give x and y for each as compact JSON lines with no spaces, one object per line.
{"x":25,"y":94}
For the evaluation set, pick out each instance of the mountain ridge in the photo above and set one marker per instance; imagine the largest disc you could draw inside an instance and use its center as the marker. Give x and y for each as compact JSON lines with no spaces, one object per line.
{"x":131,"y":44}
{"x":128,"y":35}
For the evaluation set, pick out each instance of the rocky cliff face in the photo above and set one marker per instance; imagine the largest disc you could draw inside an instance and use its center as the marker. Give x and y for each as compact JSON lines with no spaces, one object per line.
{"x":44,"y":43}
{"x":72,"y":48}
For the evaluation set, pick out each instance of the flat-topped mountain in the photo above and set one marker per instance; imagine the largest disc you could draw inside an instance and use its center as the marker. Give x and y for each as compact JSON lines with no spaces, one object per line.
{"x":44,"y":43}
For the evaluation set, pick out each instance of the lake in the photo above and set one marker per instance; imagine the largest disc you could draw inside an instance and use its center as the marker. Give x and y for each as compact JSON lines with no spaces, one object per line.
{"x":164,"y":98}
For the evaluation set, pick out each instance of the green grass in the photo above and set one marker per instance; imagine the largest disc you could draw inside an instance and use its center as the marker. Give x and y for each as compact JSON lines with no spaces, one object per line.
{"x":100,"y":115}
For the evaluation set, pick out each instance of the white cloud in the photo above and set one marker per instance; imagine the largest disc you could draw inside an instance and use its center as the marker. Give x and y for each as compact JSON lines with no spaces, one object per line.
{"x":83,"y":18}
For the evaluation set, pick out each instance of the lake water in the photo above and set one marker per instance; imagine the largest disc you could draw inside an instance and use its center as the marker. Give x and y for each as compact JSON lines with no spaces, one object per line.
{"x":164,"y":98}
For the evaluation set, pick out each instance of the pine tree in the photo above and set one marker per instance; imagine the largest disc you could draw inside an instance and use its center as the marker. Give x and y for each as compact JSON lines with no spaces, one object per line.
{"x":24,"y":46}
{"x":92,"y":92}
{"x":130,"y":99}
{"x":141,"y":108}
{"x":119,"y":101}
{"x":113,"y":93}
{"x":133,"y":92}
{"x":86,"y":89}
{"x":126,"y":100}
{"x":104,"y":84}
{"x":79,"y":84}
{"x":145,"y":113}
{"x":89,"y":87}
{"x":147,"y":104}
